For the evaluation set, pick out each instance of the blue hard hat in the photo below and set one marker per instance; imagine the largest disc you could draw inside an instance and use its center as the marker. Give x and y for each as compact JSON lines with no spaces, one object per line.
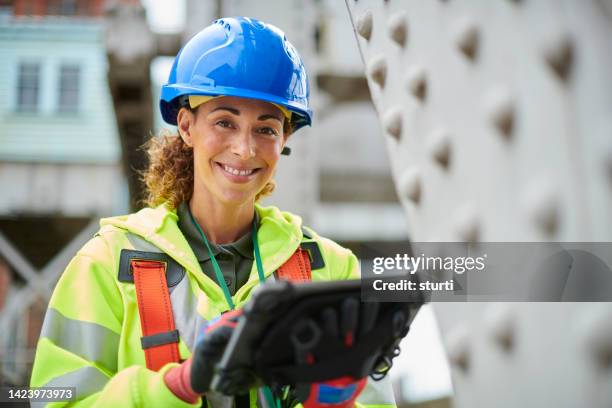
{"x":243,"y":57}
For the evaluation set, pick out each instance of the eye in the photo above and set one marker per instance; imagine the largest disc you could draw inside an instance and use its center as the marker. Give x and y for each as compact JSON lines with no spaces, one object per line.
{"x":268,"y":131}
{"x":223,"y":123}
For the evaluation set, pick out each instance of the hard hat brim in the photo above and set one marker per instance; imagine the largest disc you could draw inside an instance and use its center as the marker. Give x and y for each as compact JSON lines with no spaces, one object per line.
{"x":169,"y":105}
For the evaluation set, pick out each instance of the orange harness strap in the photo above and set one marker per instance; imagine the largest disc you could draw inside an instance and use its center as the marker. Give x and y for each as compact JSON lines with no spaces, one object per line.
{"x":297,"y":268}
{"x":159,"y":336}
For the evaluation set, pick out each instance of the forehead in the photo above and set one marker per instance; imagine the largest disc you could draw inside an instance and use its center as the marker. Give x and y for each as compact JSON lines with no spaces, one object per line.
{"x":245,"y":105}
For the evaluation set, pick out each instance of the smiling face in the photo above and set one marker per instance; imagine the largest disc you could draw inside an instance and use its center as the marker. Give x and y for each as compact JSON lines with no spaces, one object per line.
{"x":236,"y":145}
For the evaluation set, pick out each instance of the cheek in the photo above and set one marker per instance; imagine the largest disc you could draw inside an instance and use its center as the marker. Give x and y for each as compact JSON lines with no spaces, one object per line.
{"x":270,"y":149}
{"x":207,"y":146}
{"x":271,"y":156}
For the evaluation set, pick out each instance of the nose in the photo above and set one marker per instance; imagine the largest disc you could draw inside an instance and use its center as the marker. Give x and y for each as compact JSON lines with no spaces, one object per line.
{"x":242,"y":145}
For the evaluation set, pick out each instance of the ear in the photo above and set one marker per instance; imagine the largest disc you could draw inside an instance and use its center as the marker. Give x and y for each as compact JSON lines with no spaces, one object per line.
{"x":184,"y":121}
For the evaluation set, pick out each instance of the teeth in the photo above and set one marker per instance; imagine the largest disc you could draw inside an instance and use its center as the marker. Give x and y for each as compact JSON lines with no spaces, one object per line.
{"x":236,"y":171}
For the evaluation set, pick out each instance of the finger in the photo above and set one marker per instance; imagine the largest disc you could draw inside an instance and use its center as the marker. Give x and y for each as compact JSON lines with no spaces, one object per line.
{"x":201,"y":375}
{"x":207,"y":355}
{"x":348,"y":320}
{"x":216,"y":341}
{"x":330,"y":321}
{"x":368,"y":317}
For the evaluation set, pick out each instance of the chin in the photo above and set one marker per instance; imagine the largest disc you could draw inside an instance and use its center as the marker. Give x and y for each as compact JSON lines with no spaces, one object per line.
{"x":237,"y":197}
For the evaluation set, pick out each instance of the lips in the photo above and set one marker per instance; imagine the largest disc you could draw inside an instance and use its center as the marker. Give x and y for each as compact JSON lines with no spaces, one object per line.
{"x":237,"y":171}
{"x":238,"y":174}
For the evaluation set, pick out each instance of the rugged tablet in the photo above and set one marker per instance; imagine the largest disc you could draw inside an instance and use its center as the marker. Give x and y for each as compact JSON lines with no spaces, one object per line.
{"x":294,"y":333}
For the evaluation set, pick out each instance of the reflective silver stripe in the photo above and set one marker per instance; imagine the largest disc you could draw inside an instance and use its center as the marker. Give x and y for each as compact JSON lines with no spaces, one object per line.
{"x":186,"y":317}
{"x":91,"y":341}
{"x":140,"y":244}
{"x":377,"y":392}
{"x":87,"y":380}
{"x":217,"y":400}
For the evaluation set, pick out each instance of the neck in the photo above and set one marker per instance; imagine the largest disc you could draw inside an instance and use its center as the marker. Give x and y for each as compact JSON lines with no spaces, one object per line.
{"x":222,"y":223}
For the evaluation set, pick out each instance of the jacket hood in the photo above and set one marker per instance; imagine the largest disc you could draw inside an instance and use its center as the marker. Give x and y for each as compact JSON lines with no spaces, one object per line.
{"x":151,"y":221}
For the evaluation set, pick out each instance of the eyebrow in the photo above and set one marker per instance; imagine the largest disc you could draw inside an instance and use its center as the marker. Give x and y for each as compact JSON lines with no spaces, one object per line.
{"x":237,"y":113}
{"x":232,"y":110}
{"x":267,"y":116}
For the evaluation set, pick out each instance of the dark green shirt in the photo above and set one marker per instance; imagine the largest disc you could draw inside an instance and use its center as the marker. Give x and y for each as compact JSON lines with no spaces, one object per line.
{"x":235,"y":259}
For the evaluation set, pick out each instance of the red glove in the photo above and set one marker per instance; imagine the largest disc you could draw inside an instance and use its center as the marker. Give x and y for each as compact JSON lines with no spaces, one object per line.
{"x":192,"y":378}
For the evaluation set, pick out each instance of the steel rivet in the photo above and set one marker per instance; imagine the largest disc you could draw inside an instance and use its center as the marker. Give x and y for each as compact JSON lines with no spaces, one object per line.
{"x":410,"y":185}
{"x":466,"y":224}
{"x":502,"y":327}
{"x":559,"y":55}
{"x":598,"y":337}
{"x":417,"y":83}
{"x":500,"y":106}
{"x":398,"y":28}
{"x":364,"y":24}
{"x":466,"y":38}
{"x":459,"y":349}
{"x":378,"y":70}
{"x":440,"y":147}
{"x":393,"y":122}
{"x":542,"y":205}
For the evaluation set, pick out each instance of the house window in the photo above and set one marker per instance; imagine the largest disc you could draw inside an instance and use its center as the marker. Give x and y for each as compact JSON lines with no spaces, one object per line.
{"x":28,"y":87}
{"x":62,"y":7}
{"x":69,"y":88}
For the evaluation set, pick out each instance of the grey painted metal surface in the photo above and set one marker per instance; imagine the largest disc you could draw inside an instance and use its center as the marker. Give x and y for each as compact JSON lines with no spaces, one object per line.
{"x":495,"y":113}
{"x":497,"y":117}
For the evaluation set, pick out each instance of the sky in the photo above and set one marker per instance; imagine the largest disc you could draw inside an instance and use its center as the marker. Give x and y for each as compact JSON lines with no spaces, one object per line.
{"x":165,"y":16}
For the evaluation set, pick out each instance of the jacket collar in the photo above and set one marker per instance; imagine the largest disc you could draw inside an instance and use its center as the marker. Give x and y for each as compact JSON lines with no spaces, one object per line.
{"x":242,"y":246}
{"x":279,"y":234}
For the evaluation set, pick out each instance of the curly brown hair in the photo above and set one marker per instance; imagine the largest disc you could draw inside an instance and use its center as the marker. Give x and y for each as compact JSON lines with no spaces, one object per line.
{"x":169,"y":175}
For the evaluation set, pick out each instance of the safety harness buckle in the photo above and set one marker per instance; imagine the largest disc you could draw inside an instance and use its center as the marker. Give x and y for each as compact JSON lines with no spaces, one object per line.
{"x":174,"y":272}
{"x":159,"y":339}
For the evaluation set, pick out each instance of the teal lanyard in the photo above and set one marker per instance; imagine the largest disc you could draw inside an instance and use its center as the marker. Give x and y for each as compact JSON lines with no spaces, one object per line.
{"x":217,"y":269}
{"x":268,"y":395}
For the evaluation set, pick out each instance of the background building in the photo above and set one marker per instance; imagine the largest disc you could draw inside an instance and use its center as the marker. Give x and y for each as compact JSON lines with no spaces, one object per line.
{"x":60,"y":152}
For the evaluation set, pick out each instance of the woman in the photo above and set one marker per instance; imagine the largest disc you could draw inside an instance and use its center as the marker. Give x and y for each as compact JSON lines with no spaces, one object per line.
{"x":236,"y":92}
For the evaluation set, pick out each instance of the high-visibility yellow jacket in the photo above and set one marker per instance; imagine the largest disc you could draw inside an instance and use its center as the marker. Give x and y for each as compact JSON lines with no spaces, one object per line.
{"x":91,"y":334}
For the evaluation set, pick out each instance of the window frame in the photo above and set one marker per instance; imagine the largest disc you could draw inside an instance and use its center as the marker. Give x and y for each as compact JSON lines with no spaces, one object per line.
{"x":69,"y":87}
{"x":28,"y":82}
